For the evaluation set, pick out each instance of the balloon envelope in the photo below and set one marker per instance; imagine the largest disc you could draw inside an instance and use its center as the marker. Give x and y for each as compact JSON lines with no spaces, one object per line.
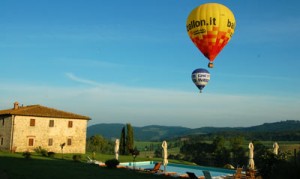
{"x":210,"y":27}
{"x":200,"y":78}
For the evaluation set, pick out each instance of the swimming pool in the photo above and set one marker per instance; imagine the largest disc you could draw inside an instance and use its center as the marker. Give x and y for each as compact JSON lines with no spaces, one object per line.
{"x":182,"y":169}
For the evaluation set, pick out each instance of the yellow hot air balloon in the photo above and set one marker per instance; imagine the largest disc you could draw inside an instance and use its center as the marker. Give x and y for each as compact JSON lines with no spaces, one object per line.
{"x":210,"y":27}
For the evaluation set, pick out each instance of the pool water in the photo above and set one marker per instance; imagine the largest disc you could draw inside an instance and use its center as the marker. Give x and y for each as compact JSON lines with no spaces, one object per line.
{"x":182,"y":169}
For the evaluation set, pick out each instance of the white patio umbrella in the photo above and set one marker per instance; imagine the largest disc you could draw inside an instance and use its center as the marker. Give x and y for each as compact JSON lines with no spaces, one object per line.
{"x":251,"y":155}
{"x":165,"y":154}
{"x":117,"y":149}
{"x":275,"y":148}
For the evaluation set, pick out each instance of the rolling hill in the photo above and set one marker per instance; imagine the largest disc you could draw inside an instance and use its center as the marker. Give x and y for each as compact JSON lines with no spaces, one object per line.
{"x":147,"y":133}
{"x":156,"y":132}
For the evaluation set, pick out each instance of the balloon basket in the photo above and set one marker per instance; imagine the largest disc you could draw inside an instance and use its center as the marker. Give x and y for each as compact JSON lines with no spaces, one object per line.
{"x":210,"y":65}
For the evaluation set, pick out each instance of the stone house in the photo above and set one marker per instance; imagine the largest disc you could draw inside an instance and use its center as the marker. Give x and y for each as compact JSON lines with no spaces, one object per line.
{"x":24,"y":128}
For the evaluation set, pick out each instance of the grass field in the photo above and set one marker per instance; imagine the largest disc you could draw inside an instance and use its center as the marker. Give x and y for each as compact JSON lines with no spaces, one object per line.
{"x":144,"y":152}
{"x":285,"y":146}
{"x":63,"y":167}
{"x":17,"y":167}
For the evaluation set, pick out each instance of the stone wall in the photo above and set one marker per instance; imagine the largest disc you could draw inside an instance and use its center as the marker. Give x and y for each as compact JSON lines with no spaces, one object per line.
{"x":41,"y":133}
{"x":5,"y":132}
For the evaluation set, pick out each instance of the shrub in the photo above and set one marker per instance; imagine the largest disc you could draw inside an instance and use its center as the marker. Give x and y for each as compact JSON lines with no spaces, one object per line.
{"x":41,"y":151}
{"x":77,"y":157}
{"x":112,"y":163}
{"x":38,"y":149}
{"x":27,"y":155}
{"x":176,"y":157}
{"x":44,"y":152}
{"x":51,"y":154}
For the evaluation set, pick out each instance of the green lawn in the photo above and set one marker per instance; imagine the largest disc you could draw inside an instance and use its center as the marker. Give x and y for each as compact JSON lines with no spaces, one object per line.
{"x":17,"y":167}
{"x":128,"y":158}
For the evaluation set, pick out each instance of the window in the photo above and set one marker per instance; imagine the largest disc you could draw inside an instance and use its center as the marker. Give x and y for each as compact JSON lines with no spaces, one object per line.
{"x":70,"y":124}
{"x":1,"y":143}
{"x":69,"y":142}
{"x":32,"y":122}
{"x":51,"y":123}
{"x":50,"y":142}
{"x":30,"y":142}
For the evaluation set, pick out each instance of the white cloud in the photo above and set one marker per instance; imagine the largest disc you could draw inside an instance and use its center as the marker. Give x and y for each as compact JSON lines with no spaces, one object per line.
{"x":145,"y":106}
{"x":71,"y":76}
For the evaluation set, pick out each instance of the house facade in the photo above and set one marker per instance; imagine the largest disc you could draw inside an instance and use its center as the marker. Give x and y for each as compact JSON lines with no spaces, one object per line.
{"x":24,"y":128}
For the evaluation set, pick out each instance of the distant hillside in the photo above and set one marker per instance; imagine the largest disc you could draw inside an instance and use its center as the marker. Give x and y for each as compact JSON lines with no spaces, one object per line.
{"x":106,"y":130}
{"x":147,"y":133}
{"x":155,"y":132}
{"x":282,"y":126}
{"x":289,"y":125}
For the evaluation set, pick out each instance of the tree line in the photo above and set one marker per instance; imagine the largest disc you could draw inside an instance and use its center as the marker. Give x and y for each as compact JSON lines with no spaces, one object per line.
{"x":216,"y":153}
{"x":98,"y":143}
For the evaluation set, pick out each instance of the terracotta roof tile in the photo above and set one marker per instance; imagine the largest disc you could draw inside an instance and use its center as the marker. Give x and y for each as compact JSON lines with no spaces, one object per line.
{"x":41,"y":111}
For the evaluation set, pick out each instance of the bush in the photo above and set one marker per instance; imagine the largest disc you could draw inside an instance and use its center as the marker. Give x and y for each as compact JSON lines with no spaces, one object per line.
{"x":51,"y":154}
{"x":112,"y":163}
{"x":27,"y":155}
{"x":38,"y":149}
{"x":44,"y":152}
{"x":77,"y":158}
{"x":41,"y":151}
{"x":176,"y":157}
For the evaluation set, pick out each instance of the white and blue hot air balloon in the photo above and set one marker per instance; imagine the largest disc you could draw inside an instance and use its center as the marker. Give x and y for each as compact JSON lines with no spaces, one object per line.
{"x":200,"y":77}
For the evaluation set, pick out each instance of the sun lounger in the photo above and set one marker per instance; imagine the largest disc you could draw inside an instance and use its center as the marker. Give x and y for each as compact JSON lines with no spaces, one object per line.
{"x":90,"y":161}
{"x":192,"y":175}
{"x":207,"y":174}
{"x":238,"y":173}
{"x":250,"y":174}
{"x":155,"y":169}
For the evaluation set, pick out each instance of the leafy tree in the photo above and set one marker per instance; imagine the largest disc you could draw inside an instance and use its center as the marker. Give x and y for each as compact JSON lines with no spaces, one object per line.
{"x":238,"y":152}
{"x":95,"y":142}
{"x":200,"y":153}
{"x":98,"y":143}
{"x":274,"y":166}
{"x":219,"y":143}
{"x":122,"y":142}
{"x":222,"y":157}
{"x":158,"y":153}
{"x":236,"y":142}
{"x":129,"y":138}
{"x":221,"y":153}
{"x":260,"y":150}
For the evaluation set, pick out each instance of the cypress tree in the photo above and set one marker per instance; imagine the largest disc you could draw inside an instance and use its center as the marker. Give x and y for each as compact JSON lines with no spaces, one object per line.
{"x":129,"y":138}
{"x":122,"y":142}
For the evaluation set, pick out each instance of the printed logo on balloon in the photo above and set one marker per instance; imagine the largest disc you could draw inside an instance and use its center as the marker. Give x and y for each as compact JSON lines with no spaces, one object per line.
{"x":210,"y":26}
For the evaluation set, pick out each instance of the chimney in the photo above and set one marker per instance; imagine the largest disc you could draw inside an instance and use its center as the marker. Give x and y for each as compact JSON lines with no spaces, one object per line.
{"x":16,"y":105}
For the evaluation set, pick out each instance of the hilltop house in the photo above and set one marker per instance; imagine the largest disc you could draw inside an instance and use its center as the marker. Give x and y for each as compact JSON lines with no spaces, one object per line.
{"x":24,"y":128}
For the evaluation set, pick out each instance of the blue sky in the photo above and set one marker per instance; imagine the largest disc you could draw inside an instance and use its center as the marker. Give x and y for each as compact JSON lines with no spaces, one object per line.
{"x":131,"y":62}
